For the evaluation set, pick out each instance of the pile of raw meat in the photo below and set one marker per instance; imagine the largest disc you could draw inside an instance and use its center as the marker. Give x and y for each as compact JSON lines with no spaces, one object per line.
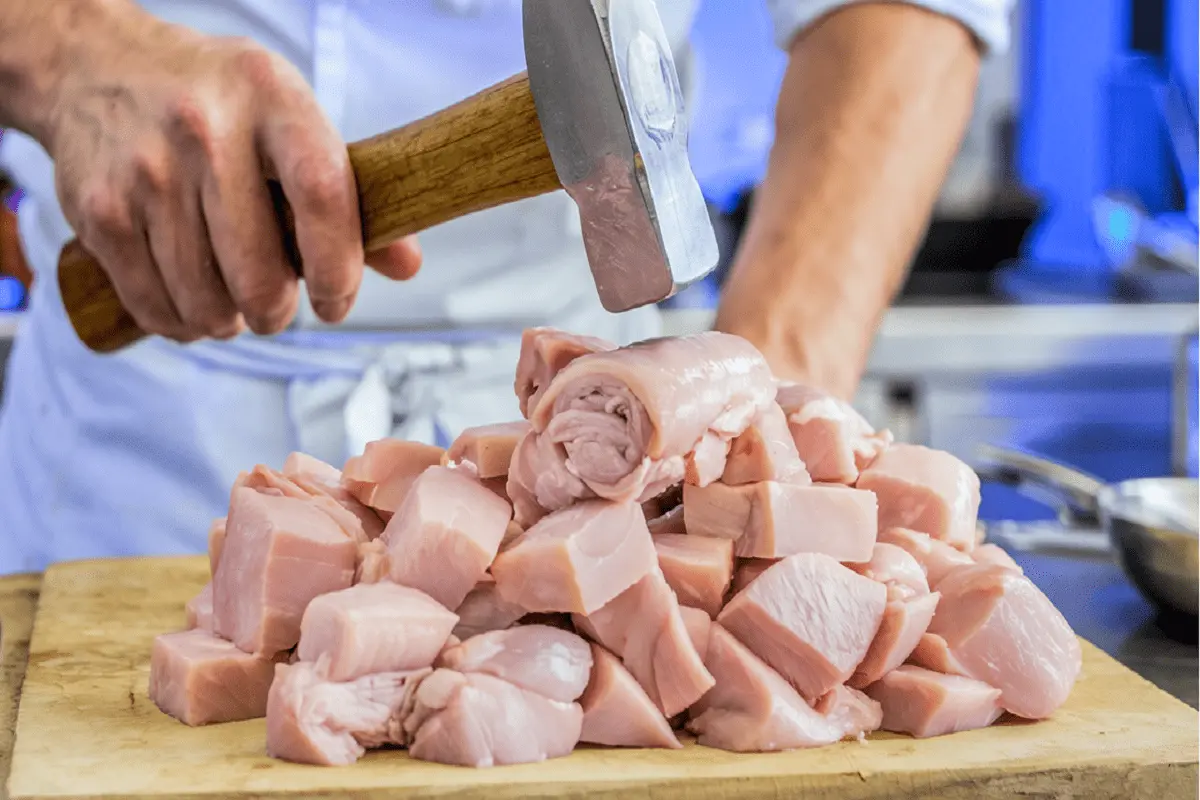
{"x":670,"y":541}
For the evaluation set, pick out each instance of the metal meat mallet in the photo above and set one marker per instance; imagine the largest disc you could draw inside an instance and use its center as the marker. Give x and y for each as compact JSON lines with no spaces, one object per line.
{"x":598,"y":113}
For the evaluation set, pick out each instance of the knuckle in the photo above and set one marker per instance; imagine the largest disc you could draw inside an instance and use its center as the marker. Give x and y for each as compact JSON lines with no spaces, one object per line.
{"x":104,"y":212}
{"x":262,"y":70}
{"x":191,"y":119}
{"x":152,"y":167}
{"x":324,"y":184}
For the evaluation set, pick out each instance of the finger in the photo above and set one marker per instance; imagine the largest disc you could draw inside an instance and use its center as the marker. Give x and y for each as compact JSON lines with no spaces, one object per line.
{"x":308,"y":156}
{"x":245,"y":237}
{"x":399,"y":261}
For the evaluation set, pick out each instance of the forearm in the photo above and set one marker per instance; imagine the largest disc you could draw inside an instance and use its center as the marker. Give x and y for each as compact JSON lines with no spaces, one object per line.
{"x":42,"y":42}
{"x":873,"y":106}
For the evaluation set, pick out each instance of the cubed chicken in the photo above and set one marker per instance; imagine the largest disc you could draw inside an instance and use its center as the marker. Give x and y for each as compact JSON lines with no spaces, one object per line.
{"x":925,"y":490}
{"x":698,"y":624}
{"x":765,"y":452}
{"x":313,"y":720}
{"x":748,"y":569}
{"x":372,"y":628}
{"x":850,"y":711}
{"x":833,"y":439}
{"x":697,"y":568}
{"x":359,"y":522}
{"x":446,"y":534}
{"x":645,"y":627}
{"x":577,"y":559}
{"x":488,"y":448}
{"x":994,"y":554}
{"x":752,"y":709}
{"x":280,"y":553}
{"x":476,"y":720}
{"x":199,"y":678}
{"x":552,"y":662}
{"x":485,"y":610}
{"x":383,"y":474}
{"x":933,"y":653}
{"x":772,"y":520}
{"x":216,"y":540}
{"x":936,"y":558}
{"x":373,"y":563}
{"x":904,"y":623}
{"x":810,"y":618}
{"x":199,"y":609}
{"x":1003,"y":631}
{"x":923,"y":703}
{"x":616,"y":709}
{"x":896,"y":569}
{"x":302,"y":464}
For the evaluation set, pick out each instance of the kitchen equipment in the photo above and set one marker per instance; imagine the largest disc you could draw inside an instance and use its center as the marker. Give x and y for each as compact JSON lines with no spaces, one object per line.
{"x":87,"y":728}
{"x":599,"y":113}
{"x":1151,"y":523}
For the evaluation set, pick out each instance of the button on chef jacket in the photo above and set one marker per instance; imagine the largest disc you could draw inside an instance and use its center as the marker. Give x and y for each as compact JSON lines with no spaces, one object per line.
{"x":135,"y":453}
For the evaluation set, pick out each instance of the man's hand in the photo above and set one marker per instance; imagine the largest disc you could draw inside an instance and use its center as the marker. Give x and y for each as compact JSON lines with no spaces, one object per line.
{"x":162,"y":140}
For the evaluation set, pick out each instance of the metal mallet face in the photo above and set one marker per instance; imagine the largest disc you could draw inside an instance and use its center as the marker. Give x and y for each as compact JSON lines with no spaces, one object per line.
{"x":608,"y":98}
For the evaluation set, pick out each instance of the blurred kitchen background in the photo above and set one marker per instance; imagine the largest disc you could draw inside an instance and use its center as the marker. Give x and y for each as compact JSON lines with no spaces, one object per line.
{"x":1053,"y":305}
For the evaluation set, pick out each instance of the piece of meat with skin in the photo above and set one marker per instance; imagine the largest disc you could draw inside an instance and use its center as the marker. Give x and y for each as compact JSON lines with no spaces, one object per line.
{"x":199,"y":609}
{"x":216,"y":540}
{"x":382,"y":476}
{"x":360,"y":523}
{"x":748,"y":569}
{"x":200,"y":679}
{"x":484,"y":609}
{"x":810,"y":618}
{"x":279,"y":553}
{"x":904,"y":623}
{"x":936,"y":558}
{"x":752,"y":709}
{"x":626,"y":420}
{"x":896,"y":569}
{"x":835,"y":442}
{"x":477,"y":720}
{"x":698,"y":569}
{"x":489,"y":448}
{"x":644,"y":625}
{"x":933,"y":653}
{"x":925,"y":490}
{"x":313,"y":720}
{"x":765,"y":452}
{"x":670,"y":522}
{"x":617,"y":711}
{"x":552,"y":662}
{"x":537,"y":480}
{"x":996,"y":555}
{"x":698,"y":624}
{"x":773,"y":520}
{"x":1003,"y":631}
{"x":372,"y":628}
{"x":577,"y":559}
{"x":544,"y":353}
{"x":445,"y":536}
{"x":923,"y":703}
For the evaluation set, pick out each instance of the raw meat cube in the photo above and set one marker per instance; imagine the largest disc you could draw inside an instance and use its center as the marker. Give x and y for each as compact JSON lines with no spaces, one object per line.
{"x":382,"y":476}
{"x":544,"y":353}
{"x":896,"y":569}
{"x":670,"y":522}
{"x":748,"y":569}
{"x":849,"y":710}
{"x":994,"y":554}
{"x":199,"y":679}
{"x":577,"y":559}
{"x":216,"y":540}
{"x":279,"y":553}
{"x":317,"y":477}
{"x":538,"y":482}
{"x":373,"y":563}
{"x":697,"y":568}
{"x":705,"y":462}
{"x":372,"y":628}
{"x":552,"y":662}
{"x":489,"y":448}
{"x":200,"y":609}
{"x":446,"y":534}
{"x":698,"y":624}
{"x":617,"y":711}
{"x":810,"y":618}
{"x":771,"y":520}
{"x":934,"y":654}
{"x":904,"y":622}
{"x":752,"y":709}
{"x":644,"y":625}
{"x":924,"y":703}
{"x":312,"y":720}
{"x":478,"y":720}
{"x":936,"y":558}
{"x":359,"y":522}
{"x":302,"y":464}
{"x":925,"y":490}
{"x":765,"y":452}
{"x":833,"y":439}
{"x":1003,"y":631}
{"x":485,"y":610}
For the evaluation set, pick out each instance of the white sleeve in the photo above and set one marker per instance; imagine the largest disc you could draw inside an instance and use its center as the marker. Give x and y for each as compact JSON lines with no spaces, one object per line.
{"x":987,"y":19}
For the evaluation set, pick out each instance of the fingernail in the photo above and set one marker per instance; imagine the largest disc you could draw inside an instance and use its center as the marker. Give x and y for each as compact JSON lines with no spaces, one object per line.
{"x":333,"y":310}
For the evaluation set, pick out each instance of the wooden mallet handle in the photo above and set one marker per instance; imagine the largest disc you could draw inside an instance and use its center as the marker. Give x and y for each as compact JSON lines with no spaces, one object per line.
{"x":482,"y":152}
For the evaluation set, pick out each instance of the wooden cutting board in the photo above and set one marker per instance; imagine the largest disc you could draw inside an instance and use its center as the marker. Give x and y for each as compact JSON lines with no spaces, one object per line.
{"x":87,"y":729}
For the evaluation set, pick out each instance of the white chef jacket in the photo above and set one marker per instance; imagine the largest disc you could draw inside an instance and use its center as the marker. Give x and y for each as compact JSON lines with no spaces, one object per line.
{"x":134,"y":453}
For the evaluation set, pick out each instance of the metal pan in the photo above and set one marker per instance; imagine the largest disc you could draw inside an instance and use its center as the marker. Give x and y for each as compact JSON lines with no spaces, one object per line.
{"x":1151,"y":523}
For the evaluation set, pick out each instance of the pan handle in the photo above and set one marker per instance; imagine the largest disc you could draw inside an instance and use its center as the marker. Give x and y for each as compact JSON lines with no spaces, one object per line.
{"x":1074,"y":493}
